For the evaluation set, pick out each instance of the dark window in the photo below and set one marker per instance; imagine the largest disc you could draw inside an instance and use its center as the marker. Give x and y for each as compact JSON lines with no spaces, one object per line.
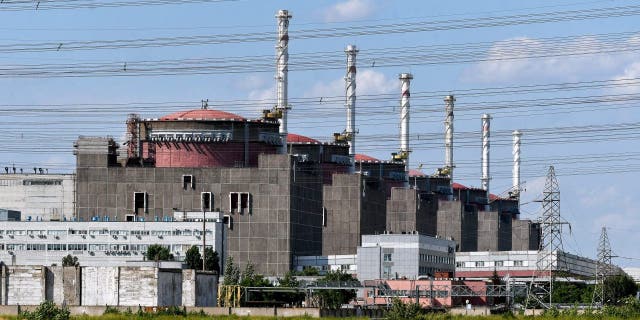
{"x":233,"y":198}
{"x":188,"y":182}
{"x":140,"y":202}
{"x":206,"y":201}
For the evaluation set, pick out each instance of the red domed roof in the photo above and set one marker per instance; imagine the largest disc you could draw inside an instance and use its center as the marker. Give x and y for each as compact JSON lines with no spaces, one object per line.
{"x":416,"y":173}
{"x":296,"y":138}
{"x":364,"y":157}
{"x":203,"y":114}
{"x":456,"y":185}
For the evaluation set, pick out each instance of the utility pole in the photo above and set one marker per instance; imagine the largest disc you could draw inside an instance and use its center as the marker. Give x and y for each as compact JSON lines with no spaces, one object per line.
{"x":603,"y":270}
{"x":549,"y":260}
{"x":204,"y":234}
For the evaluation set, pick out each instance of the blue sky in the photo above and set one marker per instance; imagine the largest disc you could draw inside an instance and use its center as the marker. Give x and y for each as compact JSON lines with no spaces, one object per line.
{"x":597,"y":162}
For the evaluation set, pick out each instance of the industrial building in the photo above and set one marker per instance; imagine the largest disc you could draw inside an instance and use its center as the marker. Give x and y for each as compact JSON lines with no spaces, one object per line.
{"x":281,"y":196}
{"x":38,"y":196}
{"x":98,"y":243}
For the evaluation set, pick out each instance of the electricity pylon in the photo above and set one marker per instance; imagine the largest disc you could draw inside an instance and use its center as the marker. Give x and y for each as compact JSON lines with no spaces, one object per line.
{"x":603,"y":270}
{"x":549,"y":261}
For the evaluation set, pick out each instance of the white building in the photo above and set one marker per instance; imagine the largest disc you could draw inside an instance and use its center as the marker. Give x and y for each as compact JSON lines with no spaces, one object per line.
{"x":394,"y":256}
{"x":347,"y":263}
{"x":102,"y":243}
{"x":518,"y":264}
{"x":39,"y":197}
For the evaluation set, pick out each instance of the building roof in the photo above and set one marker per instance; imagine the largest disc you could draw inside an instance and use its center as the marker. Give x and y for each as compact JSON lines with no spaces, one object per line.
{"x":202,"y":114}
{"x":296,"y":138}
{"x":365,"y":158}
{"x":456,"y":185}
{"x":416,"y":173}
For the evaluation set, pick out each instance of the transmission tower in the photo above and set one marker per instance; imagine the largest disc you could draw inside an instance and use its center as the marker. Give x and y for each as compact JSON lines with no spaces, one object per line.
{"x":603,"y":270}
{"x":549,"y":261}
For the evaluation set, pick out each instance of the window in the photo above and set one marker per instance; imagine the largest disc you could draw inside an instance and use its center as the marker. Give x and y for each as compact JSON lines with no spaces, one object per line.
{"x":459,"y":264}
{"x":518,"y":263}
{"x":188,"y":182}
{"x":386,"y":272}
{"x":240,"y":202}
{"x":140,"y":202}
{"x":386,"y":257}
{"x":499,"y":263}
{"x":324,"y":216}
{"x":479,"y":264}
{"x":206,"y":201}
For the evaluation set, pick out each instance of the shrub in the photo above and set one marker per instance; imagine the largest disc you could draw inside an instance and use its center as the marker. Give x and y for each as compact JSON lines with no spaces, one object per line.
{"x":47,"y":310}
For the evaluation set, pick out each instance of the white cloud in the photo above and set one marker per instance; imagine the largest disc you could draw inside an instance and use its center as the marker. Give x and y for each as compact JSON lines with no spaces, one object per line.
{"x":632,"y":71}
{"x":349,"y":10}
{"x":260,"y":91}
{"x":545,"y":60}
{"x":367,"y":82}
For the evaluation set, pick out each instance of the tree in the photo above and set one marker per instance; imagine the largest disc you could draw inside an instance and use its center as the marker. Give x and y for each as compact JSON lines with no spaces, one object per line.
{"x":193,"y":259}
{"x":213,"y":261}
{"x":251,"y":279}
{"x":231,"y":273}
{"x":289,"y":281}
{"x":157,"y":252}
{"x":70,"y":261}
{"x":333,"y":299}
{"x":618,"y":287}
{"x":401,"y":311}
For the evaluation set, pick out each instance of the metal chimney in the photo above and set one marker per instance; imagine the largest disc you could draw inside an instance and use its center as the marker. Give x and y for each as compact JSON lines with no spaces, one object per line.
{"x":448,"y":135}
{"x":516,"y":163}
{"x":282,"y":56}
{"x":350,"y":88}
{"x":405,"y":79}
{"x":486,"y":134}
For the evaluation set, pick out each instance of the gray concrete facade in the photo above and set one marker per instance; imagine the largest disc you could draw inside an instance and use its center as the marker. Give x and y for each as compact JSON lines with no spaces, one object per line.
{"x":273,"y":210}
{"x":353,"y":206}
{"x":409,"y":211}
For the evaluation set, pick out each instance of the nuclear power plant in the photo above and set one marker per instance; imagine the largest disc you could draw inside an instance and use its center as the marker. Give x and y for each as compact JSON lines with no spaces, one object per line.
{"x":279,"y":199}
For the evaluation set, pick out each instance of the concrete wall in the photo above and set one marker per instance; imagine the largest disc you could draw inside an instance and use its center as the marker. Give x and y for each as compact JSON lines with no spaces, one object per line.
{"x":100,"y":286}
{"x":63,"y":285}
{"x":459,"y":222}
{"x":409,"y":210}
{"x":113,"y":286}
{"x":25,"y":284}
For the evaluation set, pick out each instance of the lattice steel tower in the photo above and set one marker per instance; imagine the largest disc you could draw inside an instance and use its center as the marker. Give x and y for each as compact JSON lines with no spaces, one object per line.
{"x":603,"y":270}
{"x":550,"y":260}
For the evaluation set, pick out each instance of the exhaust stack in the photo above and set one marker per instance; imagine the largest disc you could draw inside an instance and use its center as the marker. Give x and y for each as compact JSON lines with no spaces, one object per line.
{"x":517,"y":135}
{"x":350,"y":88}
{"x":486,"y":134}
{"x":405,"y":116}
{"x":448,"y":135}
{"x":282,"y":70}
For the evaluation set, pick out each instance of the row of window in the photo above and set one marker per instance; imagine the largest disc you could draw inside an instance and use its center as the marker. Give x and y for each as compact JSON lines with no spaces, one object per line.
{"x":498,"y":263}
{"x":436,"y":259}
{"x":409,"y":293}
{"x":87,"y":247}
{"x":239,"y":202}
{"x":103,"y":232}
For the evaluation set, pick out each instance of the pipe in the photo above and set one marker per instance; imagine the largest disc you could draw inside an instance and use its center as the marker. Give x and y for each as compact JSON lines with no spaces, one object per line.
{"x":486,"y":134}
{"x":448,"y":135}
{"x":350,"y":88}
{"x":517,"y":135}
{"x":405,"y":79}
{"x":282,"y":70}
